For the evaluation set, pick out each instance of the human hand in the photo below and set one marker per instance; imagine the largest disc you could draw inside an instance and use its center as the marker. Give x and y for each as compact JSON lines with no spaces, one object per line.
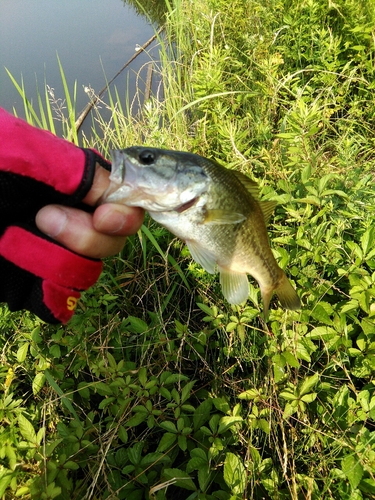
{"x":45,"y":176}
{"x":98,"y":234}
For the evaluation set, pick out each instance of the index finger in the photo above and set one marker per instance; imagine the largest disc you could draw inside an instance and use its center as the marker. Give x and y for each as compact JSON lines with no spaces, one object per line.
{"x":100,"y":184}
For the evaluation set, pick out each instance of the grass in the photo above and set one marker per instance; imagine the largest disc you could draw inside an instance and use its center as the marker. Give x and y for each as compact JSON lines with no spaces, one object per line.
{"x":158,"y":389}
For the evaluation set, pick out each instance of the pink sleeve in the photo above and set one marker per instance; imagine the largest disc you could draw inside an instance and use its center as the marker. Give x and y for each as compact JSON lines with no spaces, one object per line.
{"x":36,"y":153}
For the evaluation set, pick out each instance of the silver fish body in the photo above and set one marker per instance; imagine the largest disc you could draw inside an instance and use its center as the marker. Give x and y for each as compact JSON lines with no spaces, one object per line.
{"x":216,"y":211}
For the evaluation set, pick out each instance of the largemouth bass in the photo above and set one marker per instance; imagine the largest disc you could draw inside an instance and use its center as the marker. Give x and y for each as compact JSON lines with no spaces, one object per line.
{"x":216,"y":211}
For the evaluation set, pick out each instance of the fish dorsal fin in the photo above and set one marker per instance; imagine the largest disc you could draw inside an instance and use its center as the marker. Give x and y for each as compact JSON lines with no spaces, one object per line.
{"x":250,"y":185}
{"x":267,"y":208}
{"x":220,"y":216}
{"x":235,"y":286}
{"x":204,"y":258}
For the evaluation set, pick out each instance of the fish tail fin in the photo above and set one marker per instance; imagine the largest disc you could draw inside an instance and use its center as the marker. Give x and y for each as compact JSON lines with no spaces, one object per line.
{"x":287,"y":295}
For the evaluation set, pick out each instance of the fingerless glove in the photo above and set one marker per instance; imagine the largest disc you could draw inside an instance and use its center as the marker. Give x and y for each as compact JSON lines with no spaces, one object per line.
{"x":37,"y":169}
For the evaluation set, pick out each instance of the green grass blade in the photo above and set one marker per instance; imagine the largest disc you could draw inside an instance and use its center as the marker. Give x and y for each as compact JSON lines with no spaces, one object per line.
{"x":151,"y":237}
{"x":30,"y":114}
{"x":175,"y":265}
{"x":66,"y":402}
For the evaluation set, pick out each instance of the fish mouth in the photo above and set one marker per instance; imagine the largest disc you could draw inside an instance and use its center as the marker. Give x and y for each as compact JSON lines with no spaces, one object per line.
{"x":186,"y":206}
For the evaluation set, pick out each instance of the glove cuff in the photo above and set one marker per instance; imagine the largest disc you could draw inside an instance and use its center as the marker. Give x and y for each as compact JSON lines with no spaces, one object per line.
{"x":48,"y":260}
{"x":50,"y":302}
{"x":92,"y":157}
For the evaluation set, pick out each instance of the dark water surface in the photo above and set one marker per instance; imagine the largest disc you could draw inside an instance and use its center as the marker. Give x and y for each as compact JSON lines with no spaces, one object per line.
{"x":89,"y":36}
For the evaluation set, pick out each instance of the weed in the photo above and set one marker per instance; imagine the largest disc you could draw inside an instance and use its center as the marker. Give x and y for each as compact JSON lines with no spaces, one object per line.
{"x":157,"y":388}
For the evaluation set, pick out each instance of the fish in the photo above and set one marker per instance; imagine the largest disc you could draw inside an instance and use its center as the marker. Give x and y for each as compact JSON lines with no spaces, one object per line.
{"x":216,"y":211}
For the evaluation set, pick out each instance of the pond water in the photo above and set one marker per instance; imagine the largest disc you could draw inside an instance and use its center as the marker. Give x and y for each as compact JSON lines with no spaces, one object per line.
{"x":93,"y":39}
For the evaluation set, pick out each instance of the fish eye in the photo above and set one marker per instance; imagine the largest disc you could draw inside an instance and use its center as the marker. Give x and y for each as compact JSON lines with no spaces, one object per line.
{"x":146,"y":157}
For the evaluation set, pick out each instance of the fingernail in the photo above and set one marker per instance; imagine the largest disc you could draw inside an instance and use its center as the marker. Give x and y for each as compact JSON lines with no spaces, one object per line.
{"x":51,"y":220}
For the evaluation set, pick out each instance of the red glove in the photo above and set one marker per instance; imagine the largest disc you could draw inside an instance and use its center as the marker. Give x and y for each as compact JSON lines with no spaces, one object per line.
{"x":37,"y":169}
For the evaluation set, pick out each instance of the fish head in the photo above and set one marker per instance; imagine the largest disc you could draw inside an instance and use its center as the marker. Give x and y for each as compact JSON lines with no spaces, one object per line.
{"x":155,"y":179}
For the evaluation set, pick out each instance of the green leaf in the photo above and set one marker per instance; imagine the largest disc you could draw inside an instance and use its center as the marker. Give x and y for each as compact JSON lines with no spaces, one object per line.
{"x":308,"y":384}
{"x":196,"y":463}
{"x":322,"y":332}
{"x":206,"y":309}
{"x":227,"y":422}
{"x":5,"y":478}
{"x":71,"y":465}
{"x":106,"y":402}
{"x":352,"y":469}
{"x":137,"y":419}
{"x":290,"y":359}
{"x":367,"y":485}
{"x":40,"y":435}
{"x":179,"y":478}
{"x":35,"y":335}
{"x":303,"y":353}
{"x":135,"y":453}
{"x":204,"y":477}
{"x":21,"y":492}
{"x":309,"y":398}
{"x":10,"y":454}
{"x":249,"y":395}
{"x":123,"y":434}
{"x":142,"y":376}
{"x":202,"y":413}
{"x":173,"y":378}
{"x":38,"y":382}
{"x":153,"y":458}
{"x":182,"y":442}
{"x":141,"y":408}
{"x":306,"y":173}
{"x":368,"y":240}
{"x":136,"y":325}
{"x":53,"y":491}
{"x":167,"y":441}
{"x":290,"y":408}
{"x":264,"y":425}
{"x":84,"y":390}
{"x":168,"y":426}
{"x":231,"y":327}
{"x":185,"y":393}
{"x":322,"y":312}
{"x":221,"y":404}
{"x":22,"y":352}
{"x":111,"y":360}
{"x":128,"y":469}
{"x":55,"y":351}
{"x":27,"y":429}
{"x":288,"y":395}
{"x":234,"y":474}
{"x":278,"y":367}
{"x":103,"y":389}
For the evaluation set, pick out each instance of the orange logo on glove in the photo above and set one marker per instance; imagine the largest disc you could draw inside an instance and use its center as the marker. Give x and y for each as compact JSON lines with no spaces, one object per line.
{"x":71,"y":303}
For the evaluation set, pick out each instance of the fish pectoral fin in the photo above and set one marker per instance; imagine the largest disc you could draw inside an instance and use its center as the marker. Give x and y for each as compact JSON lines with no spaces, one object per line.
{"x":235,"y":286}
{"x":204,"y":257}
{"x":219,"y":216}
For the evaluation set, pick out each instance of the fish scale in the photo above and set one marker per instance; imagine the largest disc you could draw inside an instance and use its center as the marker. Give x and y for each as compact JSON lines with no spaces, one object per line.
{"x":216,"y":211}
